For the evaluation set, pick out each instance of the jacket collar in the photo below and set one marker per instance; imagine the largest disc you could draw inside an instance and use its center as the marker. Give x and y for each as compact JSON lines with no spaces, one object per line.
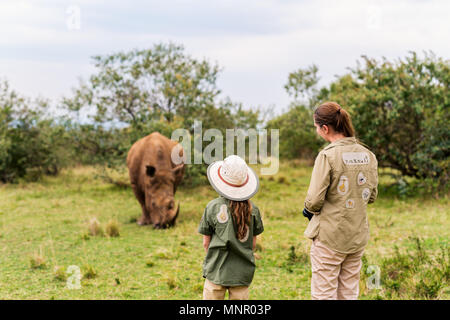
{"x":341,"y":142}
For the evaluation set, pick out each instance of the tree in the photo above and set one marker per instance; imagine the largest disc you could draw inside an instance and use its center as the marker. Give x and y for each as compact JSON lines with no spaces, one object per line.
{"x":298,"y":138}
{"x":297,"y":132}
{"x":29,"y":144}
{"x":138,"y":86}
{"x":134,"y":93}
{"x":401,"y":109}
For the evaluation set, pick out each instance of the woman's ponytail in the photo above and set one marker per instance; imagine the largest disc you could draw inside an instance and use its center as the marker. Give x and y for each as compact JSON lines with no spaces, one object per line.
{"x":331,"y":114}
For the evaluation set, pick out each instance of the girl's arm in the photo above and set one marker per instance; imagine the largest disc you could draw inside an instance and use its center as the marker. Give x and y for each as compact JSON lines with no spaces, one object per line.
{"x":206,"y":241}
{"x":254,"y":243}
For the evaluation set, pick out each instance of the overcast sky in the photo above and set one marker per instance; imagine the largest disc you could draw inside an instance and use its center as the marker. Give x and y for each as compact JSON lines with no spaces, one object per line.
{"x":45,"y":48}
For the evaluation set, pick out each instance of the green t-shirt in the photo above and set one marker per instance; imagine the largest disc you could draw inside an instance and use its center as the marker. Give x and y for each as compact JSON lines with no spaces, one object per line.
{"x":229,"y":261}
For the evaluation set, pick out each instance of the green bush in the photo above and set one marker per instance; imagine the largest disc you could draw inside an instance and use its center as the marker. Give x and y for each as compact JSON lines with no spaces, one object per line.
{"x":298,"y":138}
{"x":30,"y":145}
{"x":134,"y":93}
{"x":401,"y":110}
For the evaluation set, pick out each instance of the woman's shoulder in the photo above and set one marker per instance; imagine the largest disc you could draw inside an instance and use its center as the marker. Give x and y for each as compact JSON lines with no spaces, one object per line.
{"x":325,"y":155}
{"x":353,"y":153}
{"x":364,"y":148}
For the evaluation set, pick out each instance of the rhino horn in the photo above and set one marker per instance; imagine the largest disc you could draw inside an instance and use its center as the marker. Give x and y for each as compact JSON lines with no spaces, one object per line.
{"x":172,"y":223}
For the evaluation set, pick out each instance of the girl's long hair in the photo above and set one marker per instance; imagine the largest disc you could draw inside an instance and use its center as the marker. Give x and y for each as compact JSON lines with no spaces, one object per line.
{"x":241,"y":211}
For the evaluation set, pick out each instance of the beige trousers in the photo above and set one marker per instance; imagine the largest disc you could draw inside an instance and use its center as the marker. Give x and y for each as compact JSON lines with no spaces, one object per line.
{"x":335,"y":276}
{"x":212,"y":291}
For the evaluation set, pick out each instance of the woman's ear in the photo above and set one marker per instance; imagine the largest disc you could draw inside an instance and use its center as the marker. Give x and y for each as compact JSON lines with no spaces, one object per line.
{"x":325,"y":129}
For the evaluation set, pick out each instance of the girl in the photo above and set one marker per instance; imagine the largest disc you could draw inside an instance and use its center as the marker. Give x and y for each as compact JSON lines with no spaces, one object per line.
{"x":229,"y":225}
{"x":344,"y":180}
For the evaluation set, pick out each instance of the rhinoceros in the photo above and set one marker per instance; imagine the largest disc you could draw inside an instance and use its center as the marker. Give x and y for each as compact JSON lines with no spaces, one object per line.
{"x":154,"y":179}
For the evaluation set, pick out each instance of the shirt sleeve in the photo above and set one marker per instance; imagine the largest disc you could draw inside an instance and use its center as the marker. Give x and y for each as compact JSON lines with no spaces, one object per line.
{"x":205,"y":227}
{"x":258,"y":226}
{"x":320,"y":181}
{"x":374,"y":192}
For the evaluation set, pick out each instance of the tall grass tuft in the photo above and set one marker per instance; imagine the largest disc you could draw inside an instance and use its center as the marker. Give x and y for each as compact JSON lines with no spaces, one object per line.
{"x":171,"y":283}
{"x":113,"y":228}
{"x":37,"y":260}
{"x":94,"y":227}
{"x":59,"y":273}
{"x":89,"y":272}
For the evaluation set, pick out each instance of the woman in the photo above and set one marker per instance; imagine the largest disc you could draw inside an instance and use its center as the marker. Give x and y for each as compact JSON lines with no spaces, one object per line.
{"x":344,"y":180}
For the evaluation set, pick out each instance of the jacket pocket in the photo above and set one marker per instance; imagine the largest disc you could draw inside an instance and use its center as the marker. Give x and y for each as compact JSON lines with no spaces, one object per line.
{"x":312,"y":230}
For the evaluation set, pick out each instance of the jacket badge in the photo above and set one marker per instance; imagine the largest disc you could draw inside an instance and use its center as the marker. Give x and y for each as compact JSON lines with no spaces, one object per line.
{"x":355,"y":158}
{"x":222,"y":216}
{"x":365,"y":194}
{"x":350,"y":203}
{"x":361,"y":179}
{"x":342,"y":187}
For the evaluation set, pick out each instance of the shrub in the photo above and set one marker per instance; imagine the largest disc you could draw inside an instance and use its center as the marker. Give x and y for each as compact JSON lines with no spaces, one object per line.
{"x":298,"y":138}
{"x":94,"y":228}
{"x":59,"y":272}
{"x":37,"y":260}
{"x":89,"y":272}
{"x":401,"y":110}
{"x":112,"y":228}
{"x":171,"y":283}
{"x":29,"y":144}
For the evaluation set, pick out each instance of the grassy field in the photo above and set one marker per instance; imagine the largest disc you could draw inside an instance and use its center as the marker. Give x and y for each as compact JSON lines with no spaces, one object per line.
{"x":43,"y":231}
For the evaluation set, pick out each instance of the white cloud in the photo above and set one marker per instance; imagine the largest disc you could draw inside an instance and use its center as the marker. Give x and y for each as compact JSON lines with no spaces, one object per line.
{"x":257,"y":44}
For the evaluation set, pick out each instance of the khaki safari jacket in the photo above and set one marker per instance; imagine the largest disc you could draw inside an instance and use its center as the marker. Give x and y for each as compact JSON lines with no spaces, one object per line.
{"x":344,"y":180}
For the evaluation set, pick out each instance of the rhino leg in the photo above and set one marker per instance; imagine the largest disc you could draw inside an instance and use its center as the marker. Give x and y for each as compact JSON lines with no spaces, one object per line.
{"x":144,"y":220}
{"x":140,"y":196}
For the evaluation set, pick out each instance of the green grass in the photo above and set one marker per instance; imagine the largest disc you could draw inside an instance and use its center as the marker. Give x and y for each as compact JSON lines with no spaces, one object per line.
{"x":48,"y":221}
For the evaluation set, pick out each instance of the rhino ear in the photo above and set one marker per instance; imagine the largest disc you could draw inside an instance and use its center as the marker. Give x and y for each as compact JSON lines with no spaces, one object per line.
{"x":178,"y":172}
{"x":150,"y":170}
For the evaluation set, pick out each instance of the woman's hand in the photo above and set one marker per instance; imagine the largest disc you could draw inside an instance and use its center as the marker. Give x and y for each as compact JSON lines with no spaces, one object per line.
{"x":307,"y":214}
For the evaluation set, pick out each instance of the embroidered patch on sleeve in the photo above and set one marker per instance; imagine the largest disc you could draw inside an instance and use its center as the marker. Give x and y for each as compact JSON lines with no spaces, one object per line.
{"x":365,"y":194}
{"x":222,"y":216}
{"x":355,"y":158}
{"x":361,"y":179}
{"x":342,"y":186}
{"x":350,"y":203}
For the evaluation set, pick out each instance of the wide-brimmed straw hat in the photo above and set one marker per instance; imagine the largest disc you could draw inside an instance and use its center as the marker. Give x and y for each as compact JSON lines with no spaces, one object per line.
{"x":233,"y":179}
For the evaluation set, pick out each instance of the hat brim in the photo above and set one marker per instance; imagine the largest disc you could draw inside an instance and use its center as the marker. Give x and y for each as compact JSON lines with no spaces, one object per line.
{"x":241,"y":193}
